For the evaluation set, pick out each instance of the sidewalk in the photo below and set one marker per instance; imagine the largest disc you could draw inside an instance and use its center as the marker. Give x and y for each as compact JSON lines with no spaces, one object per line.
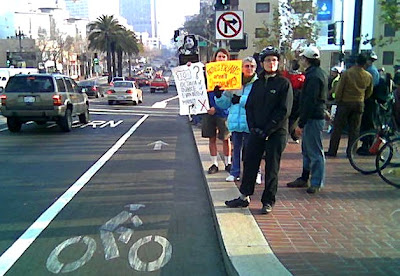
{"x":352,"y":227}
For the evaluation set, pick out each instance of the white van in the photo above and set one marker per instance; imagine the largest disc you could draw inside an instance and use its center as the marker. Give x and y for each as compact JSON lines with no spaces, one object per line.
{"x":6,"y":73}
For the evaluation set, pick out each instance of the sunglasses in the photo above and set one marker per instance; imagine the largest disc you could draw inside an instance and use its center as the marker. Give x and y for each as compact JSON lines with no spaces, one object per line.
{"x":249,"y":66}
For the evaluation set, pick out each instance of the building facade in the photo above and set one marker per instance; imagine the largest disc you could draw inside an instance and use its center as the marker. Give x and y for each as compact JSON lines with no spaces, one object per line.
{"x":141,"y":14}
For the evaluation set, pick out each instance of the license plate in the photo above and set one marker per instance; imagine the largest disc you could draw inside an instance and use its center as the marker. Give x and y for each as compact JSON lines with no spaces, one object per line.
{"x":121,"y":97}
{"x":29,"y":99}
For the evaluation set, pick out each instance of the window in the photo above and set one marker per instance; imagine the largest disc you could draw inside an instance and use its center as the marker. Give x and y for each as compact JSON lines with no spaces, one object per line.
{"x":60,"y":85}
{"x":261,"y":33}
{"x":389,"y":31}
{"x":388,"y":58}
{"x":69,"y":85}
{"x":262,"y":7}
{"x":302,"y":6}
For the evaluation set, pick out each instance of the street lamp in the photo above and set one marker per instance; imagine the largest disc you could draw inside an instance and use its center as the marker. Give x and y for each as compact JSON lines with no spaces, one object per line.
{"x":20,"y":35}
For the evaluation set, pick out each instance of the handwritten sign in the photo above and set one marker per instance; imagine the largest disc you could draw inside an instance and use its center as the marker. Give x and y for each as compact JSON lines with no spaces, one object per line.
{"x":226,"y":74}
{"x":191,"y":87}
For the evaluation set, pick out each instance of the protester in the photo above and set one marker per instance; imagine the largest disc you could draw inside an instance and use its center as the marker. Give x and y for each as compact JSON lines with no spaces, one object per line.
{"x":354,"y":87}
{"x":215,"y":121}
{"x":267,"y":109}
{"x":235,"y":102}
{"x":296,"y":78}
{"x":369,"y":117}
{"x":311,"y":123}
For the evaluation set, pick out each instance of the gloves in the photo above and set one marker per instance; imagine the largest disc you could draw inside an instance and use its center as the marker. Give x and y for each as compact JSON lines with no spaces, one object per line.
{"x":235,"y":99}
{"x":259,"y":133}
{"x":217,"y":91}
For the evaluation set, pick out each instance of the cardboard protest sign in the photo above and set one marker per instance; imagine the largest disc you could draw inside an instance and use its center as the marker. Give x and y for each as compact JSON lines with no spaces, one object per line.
{"x":226,"y":74}
{"x":191,"y":87}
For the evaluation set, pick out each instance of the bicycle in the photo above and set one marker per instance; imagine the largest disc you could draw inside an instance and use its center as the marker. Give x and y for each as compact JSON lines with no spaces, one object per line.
{"x":388,"y":162}
{"x":365,"y":149}
{"x":111,"y":251}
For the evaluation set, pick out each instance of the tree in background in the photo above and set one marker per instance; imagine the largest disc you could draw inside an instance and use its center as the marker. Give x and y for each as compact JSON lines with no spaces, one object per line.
{"x":291,"y":28}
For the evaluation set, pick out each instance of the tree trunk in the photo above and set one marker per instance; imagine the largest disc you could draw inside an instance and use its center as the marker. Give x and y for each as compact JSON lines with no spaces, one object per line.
{"x":109,"y":66}
{"x":119,"y":54}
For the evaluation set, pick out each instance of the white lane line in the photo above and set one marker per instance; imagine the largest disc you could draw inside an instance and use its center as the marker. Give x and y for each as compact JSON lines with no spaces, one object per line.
{"x":15,"y":251}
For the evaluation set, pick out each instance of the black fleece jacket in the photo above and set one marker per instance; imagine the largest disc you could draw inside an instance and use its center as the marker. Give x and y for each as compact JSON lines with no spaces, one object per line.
{"x":313,"y":95}
{"x":269,"y":104}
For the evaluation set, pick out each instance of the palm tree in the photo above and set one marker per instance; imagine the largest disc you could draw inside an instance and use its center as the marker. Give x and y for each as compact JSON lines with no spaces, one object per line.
{"x":128,"y":44}
{"x":103,"y":37}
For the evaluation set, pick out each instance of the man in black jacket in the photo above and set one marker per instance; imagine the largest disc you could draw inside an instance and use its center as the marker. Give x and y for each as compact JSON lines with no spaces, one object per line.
{"x":267,"y":109}
{"x":311,"y":123}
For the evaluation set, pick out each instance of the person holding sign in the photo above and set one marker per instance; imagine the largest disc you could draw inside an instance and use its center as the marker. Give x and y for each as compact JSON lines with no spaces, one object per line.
{"x":267,"y":109}
{"x":215,"y":120}
{"x":235,"y":101}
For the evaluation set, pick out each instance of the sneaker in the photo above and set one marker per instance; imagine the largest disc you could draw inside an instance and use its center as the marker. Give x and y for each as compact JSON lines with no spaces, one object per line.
{"x":258,"y":179}
{"x":213,"y":169}
{"x":329,"y":154}
{"x":237,"y":202}
{"x":298,"y":183}
{"x":228,"y":168}
{"x":231,"y":178}
{"x":266,"y":209}
{"x":313,"y":189}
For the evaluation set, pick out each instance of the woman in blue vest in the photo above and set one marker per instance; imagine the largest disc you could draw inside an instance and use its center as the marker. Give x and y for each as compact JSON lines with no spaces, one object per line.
{"x":235,"y":102}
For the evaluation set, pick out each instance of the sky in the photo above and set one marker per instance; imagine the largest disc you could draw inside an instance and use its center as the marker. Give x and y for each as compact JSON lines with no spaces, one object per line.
{"x":170,"y":13}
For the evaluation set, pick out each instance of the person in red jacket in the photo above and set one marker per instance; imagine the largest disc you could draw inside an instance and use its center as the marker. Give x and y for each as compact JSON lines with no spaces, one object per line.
{"x":296,"y":78}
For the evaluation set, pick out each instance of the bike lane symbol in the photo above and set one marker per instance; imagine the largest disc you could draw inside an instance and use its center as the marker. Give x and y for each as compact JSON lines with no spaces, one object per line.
{"x":111,"y":250}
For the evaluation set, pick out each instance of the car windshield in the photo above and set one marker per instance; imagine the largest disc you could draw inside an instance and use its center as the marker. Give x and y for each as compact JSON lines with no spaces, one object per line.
{"x":26,"y":83}
{"x":86,"y":83}
{"x":123,"y":84}
{"x":118,"y":79}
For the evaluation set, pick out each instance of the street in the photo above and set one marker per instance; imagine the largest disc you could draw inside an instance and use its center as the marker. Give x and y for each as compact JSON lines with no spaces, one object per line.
{"x":122,"y":195}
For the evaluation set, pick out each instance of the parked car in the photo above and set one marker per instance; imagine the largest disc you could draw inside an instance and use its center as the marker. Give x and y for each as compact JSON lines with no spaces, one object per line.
{"x":92,"y":88}
{"x":159,"y":83}
{"x":42,"y":98}
{"x":125,"y":91}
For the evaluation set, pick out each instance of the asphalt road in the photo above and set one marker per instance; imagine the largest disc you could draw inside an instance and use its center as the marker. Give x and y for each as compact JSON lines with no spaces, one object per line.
{"x":123,"y":195}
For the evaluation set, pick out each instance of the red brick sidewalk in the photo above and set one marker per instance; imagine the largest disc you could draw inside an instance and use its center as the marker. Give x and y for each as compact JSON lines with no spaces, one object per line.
{"x":352,"y":227}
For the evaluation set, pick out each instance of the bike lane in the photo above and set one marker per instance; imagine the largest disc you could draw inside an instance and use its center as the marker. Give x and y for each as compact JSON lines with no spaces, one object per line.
{"x":144,"y":211}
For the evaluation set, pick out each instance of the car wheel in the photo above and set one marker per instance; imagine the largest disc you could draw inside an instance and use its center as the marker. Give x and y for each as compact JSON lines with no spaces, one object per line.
{"x":152,"y":90}
{"x":65,"y":122}
{"x":110,"y":102}
{"x":141,"y":99}
{"x":13,"y":124}
{"x":97,"y":95}
{"x":84,"y":117}
{"x":166,"y":90}
{"x":134,"y":103}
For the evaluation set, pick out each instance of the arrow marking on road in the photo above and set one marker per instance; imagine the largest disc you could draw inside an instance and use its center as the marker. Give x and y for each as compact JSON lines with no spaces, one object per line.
{"x":158,"y":144}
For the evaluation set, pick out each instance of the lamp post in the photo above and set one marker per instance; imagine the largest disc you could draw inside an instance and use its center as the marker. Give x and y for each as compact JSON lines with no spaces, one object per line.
{"x":20,"y":35}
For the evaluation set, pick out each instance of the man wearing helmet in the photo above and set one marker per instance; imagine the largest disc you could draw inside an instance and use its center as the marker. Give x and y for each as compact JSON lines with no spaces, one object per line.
{"x":267,"y":109}
{"x":311,"y":123}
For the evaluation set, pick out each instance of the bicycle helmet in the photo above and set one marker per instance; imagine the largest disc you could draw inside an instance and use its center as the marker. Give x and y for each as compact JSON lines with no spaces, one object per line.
{"x":269,"y":51}
{"x":336,"y":69}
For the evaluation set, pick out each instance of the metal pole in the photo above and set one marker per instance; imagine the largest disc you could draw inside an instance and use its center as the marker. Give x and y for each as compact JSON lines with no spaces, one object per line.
{"x":356,"y":29}
{"x":341,"y":57}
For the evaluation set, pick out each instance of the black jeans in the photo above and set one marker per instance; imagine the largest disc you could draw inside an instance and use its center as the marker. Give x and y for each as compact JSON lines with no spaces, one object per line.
{"x":273,"y":148}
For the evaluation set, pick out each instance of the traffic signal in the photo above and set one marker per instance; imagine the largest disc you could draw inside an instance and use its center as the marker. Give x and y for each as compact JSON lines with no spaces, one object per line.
{"x":176,"y":35}
{"x":222,"y":4}
{"x":8,"y":63}
{"x":332,"y":33}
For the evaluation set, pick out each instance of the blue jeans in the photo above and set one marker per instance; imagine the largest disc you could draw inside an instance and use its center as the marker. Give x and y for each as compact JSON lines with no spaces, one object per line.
{"x":239,"y":140}
{"x":313,"y":152}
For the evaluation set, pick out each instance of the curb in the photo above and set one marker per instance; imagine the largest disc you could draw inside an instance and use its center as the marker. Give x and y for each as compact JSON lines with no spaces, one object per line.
{"x":245,"y":249}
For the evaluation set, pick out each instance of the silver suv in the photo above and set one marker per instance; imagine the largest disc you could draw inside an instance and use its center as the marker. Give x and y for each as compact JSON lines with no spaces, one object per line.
{"x":42,"y":98}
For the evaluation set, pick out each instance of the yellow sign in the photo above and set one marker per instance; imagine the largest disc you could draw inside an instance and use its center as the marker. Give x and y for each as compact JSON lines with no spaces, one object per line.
{"x":226,"y":74}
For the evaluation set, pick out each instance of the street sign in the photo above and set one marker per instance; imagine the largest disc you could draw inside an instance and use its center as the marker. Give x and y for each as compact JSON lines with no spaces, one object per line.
{"x":229,"y":25}
{"x":202,"y":43}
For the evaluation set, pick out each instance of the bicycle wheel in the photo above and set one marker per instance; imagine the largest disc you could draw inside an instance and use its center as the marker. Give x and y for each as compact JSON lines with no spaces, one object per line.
{"x":363,"y":152}
{"x":388,"y":162}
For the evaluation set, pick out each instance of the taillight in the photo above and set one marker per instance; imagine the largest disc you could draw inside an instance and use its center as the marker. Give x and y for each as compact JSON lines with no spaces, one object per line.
{"x":57,"y":100}
{"x":111,"y":84}
{"x":110,"y":92}
{"x":129,"y":91}
{"x":3,"y":99}
{"x":94,"y":88}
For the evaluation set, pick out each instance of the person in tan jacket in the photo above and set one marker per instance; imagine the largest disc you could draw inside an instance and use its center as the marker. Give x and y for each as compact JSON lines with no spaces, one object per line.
{"x":355,"y":85}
